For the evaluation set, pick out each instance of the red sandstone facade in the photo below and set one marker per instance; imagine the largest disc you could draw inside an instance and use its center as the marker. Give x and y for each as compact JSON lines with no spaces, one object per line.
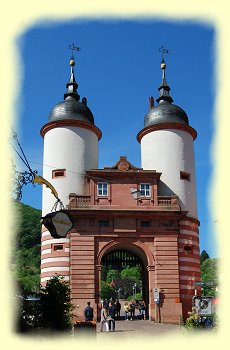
{"x":168,"y":247}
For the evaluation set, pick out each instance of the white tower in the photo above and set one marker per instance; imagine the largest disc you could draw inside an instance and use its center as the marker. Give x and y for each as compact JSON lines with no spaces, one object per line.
{"x":167,"y":147}
{"x":70,"y":148}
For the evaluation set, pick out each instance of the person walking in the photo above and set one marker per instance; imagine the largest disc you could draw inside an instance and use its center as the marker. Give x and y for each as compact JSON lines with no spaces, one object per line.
{"x":143,"y":310}
{"x":104,"y":322}
{"x":106,"y":304}
{"x":132,"y":307}
{"x":88,"y":312}
{"x":118,"y":308}
{"x":126,"y":310}
{"x":112,"y":315}
{"x":138,"y":306}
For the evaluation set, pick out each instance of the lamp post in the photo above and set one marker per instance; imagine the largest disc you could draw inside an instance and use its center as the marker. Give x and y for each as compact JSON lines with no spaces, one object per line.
{"x":134,"y":289}
{"x":118,"y":293}
{"x":141,"y":287}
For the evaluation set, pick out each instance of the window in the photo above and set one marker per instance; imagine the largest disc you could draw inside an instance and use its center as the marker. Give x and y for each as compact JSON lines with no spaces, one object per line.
{"x":58,"y":247}
{"x":188,"y":248}
{"x":58,"y":173}
{"x":145,"y":190}
{"x":102,"y":188}
{"x":184,"y":176}
{"x":104,"y":223}
{"x":145,"y":223}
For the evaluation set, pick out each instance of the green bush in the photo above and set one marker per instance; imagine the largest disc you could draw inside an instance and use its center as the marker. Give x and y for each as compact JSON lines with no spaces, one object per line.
{"x":56,"y":305}
{"x":137,"y":296}
{"x":193,"y":320}
{"x":196,"y":321}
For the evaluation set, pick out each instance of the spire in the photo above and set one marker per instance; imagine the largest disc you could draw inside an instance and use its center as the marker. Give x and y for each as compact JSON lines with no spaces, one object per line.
{"x":72,"y":84}
{"x":164,"y":88}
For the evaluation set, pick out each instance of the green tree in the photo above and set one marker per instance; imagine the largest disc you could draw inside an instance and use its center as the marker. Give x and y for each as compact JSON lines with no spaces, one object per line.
{"x":26,"y":247}
{"x":209,"y":273}
{"x":113,"y":275}
{"x":204,"y":255}
{"x":50,"y":312}
{"x":27,"y":221}
{"x":133,"y":273}
{"x":124,"y":281}
{"x":107,"y":292}
{"x":56,"y":305}
{"x":126,"y":284}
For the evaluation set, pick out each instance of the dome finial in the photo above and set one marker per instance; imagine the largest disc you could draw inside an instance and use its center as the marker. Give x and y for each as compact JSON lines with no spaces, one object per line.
{"x":73,"y":48}
{"x":163,"y":50}
{"x":164,"y":88}
{"x":72,"y":84}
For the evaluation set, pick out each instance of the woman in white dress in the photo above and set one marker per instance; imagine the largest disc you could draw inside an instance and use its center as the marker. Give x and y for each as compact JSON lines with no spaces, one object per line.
{"x":104,"y":315}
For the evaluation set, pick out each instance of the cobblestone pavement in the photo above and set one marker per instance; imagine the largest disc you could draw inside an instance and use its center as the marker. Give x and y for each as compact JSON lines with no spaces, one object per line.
{"x":139,"y":327}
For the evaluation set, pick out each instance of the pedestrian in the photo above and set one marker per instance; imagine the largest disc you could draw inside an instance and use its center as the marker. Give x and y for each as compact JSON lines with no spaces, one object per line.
{"x":132,"y":307}
{"x":104,"y":321}
{"x":118,"y":308}
{"x":106,"y":304}
{"x":143,"y":310}
{"x":112,"y":315}
{"x":138,"y":306}
{"x":126,"y":310}
{"x":88,"y":312}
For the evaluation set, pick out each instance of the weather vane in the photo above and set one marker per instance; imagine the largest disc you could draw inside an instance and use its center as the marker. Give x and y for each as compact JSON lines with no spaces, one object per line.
{"x":163,"y":50}
{"x":74,"y":48}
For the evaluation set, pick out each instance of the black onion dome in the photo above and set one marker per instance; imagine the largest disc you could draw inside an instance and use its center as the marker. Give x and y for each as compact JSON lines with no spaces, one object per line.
{"x":72,"y":109}
{"x":166,"y":112}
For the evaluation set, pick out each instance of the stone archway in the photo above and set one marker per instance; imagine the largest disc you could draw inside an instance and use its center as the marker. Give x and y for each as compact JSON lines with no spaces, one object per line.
{"x":137,"y":251}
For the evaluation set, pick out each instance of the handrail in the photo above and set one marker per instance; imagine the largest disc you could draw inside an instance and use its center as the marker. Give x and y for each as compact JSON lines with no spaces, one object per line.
{"x":77,"y":201}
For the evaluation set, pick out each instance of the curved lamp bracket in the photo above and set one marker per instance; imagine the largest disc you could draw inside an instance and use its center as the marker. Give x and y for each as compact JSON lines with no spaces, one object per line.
{"x":41,"y":181}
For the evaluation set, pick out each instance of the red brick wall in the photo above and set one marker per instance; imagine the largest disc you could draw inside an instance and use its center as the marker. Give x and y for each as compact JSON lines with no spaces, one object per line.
{"x":189,"y":262}
{"x":53,"y":262}
{"x":167,"y":279}
{"x":82,"y":272}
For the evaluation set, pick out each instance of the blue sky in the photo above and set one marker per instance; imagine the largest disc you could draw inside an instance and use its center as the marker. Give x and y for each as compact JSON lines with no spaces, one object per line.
{"x":117,"y":69}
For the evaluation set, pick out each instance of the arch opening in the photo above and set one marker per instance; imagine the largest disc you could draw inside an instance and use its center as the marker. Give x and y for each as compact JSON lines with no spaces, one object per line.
{"x":124,"y":274}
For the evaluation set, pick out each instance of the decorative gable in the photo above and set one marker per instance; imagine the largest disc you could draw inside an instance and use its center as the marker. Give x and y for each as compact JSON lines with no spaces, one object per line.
{"x":123,"y":165}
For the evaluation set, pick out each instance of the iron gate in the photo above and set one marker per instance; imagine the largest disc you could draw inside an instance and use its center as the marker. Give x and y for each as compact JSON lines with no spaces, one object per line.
{"x":120,"y":259}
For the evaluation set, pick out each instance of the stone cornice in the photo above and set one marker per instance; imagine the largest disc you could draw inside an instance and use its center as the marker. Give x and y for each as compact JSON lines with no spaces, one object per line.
{"x":164,"y":126}
{"x":70,"y":122}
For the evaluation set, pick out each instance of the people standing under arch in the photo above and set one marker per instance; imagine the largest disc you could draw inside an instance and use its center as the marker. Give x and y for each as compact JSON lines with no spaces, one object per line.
{"x":126,"y":311}
{"x":118,"y":308}
{"x":143,"y":310}
{"x":106,"y":304}
{"x":104,"y":321}
{"x":112,"y":315}
{"x":132,"y":307}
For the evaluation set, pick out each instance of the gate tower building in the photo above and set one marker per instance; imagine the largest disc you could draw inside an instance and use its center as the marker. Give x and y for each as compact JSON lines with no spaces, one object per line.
{"x":123,"y":214}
